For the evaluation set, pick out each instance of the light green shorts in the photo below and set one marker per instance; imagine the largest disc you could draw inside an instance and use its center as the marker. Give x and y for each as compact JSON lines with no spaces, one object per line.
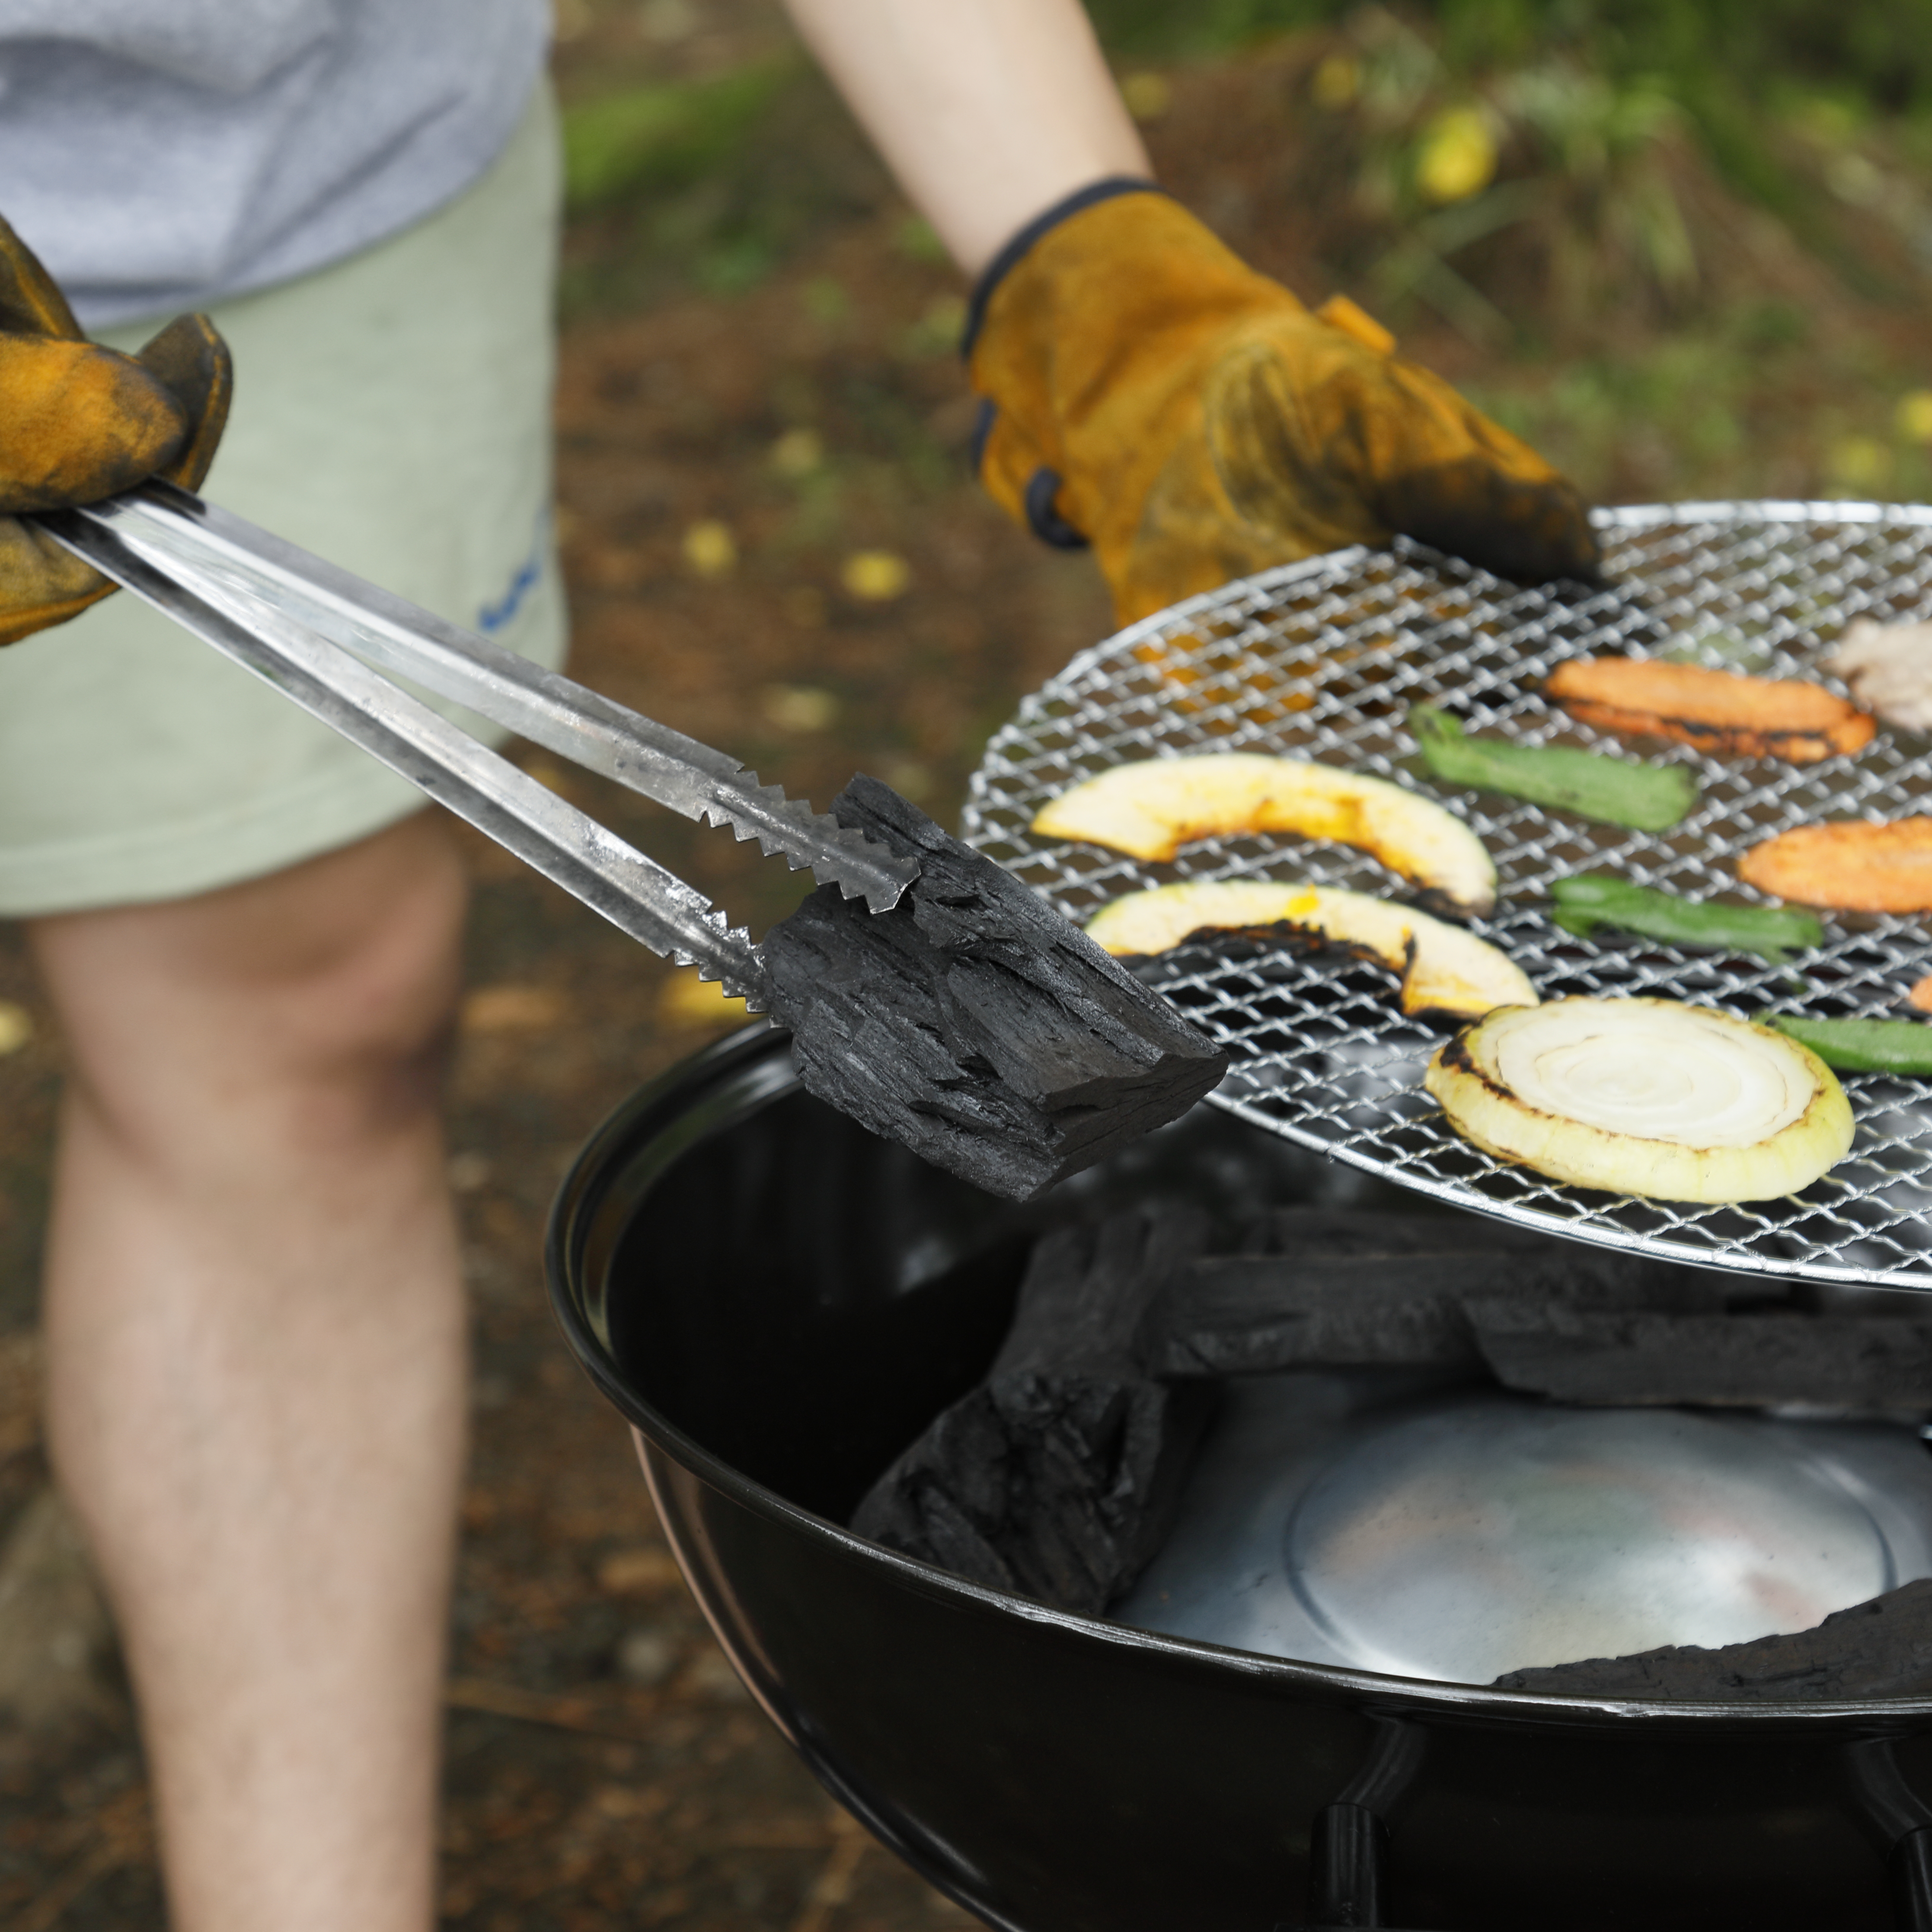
{"x":392,"y":413}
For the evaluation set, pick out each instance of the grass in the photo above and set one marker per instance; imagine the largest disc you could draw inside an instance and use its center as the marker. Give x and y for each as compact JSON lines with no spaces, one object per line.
{"x":710,"y":183}
{"x":1722,"y":411}
{"x":1878,"y":51}
{"x":642,"y":140}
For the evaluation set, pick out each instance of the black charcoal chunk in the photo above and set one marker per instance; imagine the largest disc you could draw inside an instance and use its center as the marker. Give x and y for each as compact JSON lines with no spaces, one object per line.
{"x":1881,"y":1649}
{"x":1338,"y":1231}
{"x":1876,"y":1365}
{"x":1345,"y":1292}
{"x":1246,"y":1315}
{"x":1057,"y":1477}
{"x":972,"y":1022}
{"x":1605,"y":1273}
{"x":1090,"y":1291}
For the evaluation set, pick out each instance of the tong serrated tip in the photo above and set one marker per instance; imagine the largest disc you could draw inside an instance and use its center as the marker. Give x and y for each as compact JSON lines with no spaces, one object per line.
{"x":744,"y":981}
{"x":860,"y":867}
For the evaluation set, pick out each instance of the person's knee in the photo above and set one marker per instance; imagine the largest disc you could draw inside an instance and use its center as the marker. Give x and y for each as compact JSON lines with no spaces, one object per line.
{"x":314,"y":1006}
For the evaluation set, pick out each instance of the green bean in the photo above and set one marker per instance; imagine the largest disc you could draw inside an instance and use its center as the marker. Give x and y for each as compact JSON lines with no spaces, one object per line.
{"x":1861,"y":1046}
{"x":1591,"y":899}
{"x":1621,"y":791}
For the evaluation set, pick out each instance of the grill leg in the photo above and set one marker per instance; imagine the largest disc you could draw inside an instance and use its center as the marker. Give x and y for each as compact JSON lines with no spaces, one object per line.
{"x":1912,"y":1881}
{"x":1345,"y":1869}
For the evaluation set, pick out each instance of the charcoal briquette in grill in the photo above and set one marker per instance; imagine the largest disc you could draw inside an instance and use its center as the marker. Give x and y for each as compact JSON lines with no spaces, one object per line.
{"x":1880,"y":1648}
{"x":1056,"y":1476}
{"x":1355,"y":1230}
{"x":1333,"y":1290}
{"x":1857,"y":1364}
{"x":1239,"y":1315}
{"x":972,"y":1022}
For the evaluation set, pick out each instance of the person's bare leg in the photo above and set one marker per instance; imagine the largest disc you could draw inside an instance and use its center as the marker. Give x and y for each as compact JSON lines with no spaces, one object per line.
{"x":256,"y":1359}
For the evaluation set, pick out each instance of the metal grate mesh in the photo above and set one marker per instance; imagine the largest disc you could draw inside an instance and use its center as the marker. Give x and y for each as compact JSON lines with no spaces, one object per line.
{"x":1322,"y":659}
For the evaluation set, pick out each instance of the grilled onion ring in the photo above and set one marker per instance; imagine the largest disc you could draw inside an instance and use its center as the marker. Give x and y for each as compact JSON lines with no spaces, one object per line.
{"x":1644,"y":1096}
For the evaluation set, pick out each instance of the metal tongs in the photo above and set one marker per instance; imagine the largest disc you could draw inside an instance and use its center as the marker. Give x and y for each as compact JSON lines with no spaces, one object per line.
{"x":325,"y":638}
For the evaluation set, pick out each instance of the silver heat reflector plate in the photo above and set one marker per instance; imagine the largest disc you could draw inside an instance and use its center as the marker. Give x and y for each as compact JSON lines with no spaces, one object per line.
{"x":1322,"y":659}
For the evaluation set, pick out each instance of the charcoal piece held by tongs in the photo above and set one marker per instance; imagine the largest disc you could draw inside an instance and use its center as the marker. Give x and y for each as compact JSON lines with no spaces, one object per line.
{"x":975,"y":1024}
{"x":972,"y":1021}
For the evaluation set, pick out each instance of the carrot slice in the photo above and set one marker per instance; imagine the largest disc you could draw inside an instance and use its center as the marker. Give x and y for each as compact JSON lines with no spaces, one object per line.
{"x":1855,"y":866}
{"x":1720,"y":712}
{"x":1921,"y":995}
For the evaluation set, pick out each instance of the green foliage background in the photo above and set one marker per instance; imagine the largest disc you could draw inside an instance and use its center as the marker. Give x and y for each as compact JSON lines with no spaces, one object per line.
{"x":1694,"y":258}
{"x":1881,"y":49}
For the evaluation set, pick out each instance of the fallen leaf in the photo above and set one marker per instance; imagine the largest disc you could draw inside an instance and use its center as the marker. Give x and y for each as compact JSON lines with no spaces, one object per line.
{"x":803,"y":708}
{"x":1458,"y":156}
{"x":876,"y":576}
{"x":710,"y":549}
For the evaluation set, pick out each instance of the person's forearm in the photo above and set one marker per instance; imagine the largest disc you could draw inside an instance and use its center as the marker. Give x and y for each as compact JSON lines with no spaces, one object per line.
{"x":988,"y":111}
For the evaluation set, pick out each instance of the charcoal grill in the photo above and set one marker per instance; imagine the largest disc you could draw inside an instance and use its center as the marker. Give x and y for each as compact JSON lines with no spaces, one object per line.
{"x":1322,"y":659}
{"x":779,"y":1303}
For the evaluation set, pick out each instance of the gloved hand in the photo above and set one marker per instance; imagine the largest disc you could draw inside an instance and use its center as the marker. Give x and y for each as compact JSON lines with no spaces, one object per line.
{"x":78,"y":422}
{"x":1153,"y":396}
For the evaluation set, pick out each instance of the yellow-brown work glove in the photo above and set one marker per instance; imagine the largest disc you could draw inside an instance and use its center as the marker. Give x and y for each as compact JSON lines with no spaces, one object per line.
{"x":1148,"y":393}
{"x":78,"y":422}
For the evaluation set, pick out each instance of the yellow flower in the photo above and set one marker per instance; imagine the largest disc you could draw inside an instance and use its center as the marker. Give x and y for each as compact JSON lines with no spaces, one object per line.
{"x":876,"y":576}
{"x":710,"y":549}
{"x":1915,"y":416}
{"x":1457,"y":157}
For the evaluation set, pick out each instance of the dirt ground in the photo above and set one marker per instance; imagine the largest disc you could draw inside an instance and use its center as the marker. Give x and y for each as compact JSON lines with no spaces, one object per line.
{"x":771,"y":541}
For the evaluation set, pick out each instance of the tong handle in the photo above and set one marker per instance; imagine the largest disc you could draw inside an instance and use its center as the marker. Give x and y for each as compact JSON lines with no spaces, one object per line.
{"x":637,"y":894}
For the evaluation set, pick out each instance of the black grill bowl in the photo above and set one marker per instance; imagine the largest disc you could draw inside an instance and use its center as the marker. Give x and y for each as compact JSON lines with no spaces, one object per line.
{"x":778,"y":1301}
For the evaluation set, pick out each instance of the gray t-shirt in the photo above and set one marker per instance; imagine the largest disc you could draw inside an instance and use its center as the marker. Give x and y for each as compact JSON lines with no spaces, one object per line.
{"x":157,"y":154}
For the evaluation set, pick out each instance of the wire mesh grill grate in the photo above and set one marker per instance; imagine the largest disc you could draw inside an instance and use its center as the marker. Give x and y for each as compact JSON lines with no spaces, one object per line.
{"x":1321,"y":659}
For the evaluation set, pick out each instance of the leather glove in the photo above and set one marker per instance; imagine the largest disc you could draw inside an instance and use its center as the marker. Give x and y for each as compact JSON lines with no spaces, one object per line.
{"x":1151,"y":395}
{"x":78,"y":422}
